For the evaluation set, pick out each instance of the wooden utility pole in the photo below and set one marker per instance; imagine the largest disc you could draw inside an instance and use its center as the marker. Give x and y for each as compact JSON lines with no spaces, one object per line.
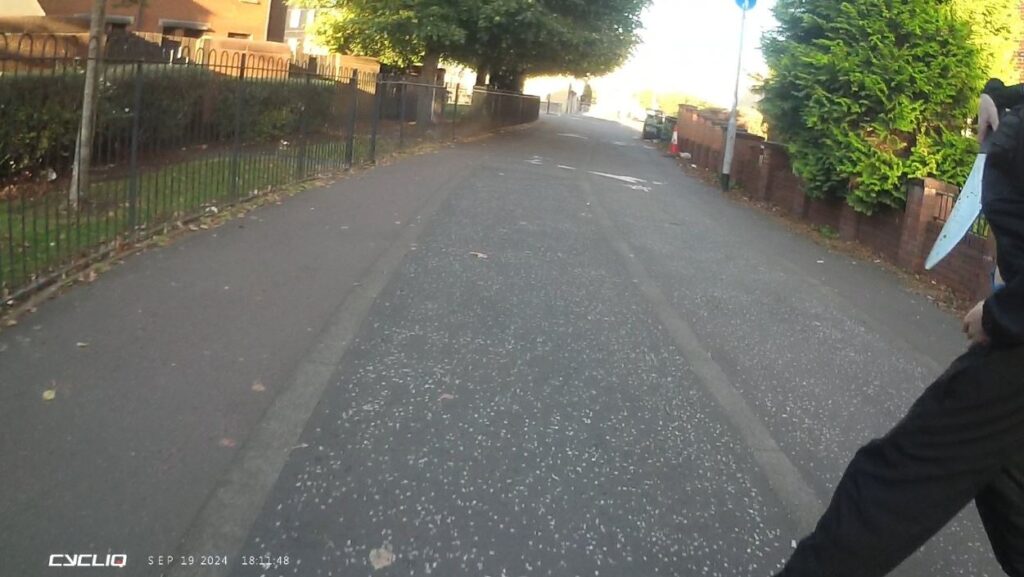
{"x":83,"y":145}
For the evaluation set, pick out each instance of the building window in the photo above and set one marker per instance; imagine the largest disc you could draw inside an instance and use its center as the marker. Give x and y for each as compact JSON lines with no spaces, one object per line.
{"x":294,"y":18}
{"x":239,"y":35}
{"x":182,"y":32}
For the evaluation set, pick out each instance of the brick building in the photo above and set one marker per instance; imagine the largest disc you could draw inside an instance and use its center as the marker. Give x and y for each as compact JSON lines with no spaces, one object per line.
{"x":258,"y":20}
{"x":1020,"y":55}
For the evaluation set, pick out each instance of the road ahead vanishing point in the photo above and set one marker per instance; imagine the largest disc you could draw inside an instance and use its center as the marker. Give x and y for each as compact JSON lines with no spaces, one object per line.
{"x":549,"y":352}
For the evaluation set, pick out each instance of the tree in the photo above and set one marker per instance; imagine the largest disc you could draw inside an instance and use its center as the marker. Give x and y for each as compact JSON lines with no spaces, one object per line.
{"x":868,"y":94}
{"x":515,"y":38}
{"x":83,"y":146}
{"x":996,"y":29}
{"x":505,"y":38}
{"x":399,"y":32}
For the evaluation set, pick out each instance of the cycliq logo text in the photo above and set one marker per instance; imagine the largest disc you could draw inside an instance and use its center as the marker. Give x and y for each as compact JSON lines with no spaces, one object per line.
{"x":88,"y":560}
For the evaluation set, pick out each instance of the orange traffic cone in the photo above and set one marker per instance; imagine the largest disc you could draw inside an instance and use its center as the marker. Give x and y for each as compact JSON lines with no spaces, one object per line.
{"x":673,"y":149}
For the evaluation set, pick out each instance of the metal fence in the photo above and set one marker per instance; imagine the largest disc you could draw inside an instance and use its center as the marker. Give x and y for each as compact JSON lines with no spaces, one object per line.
{"x":947,"y":201}
{"x":183,"y":133}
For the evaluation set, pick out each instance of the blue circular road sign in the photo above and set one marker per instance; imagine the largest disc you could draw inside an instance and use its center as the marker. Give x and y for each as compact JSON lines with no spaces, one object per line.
{"x":746,"y":4}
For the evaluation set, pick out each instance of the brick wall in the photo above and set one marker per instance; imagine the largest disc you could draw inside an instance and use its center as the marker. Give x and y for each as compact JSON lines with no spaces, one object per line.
{"x":960,"y":270}
{"x":824,"y":212}
{"x":904,"y":237}
{"x":746,"y":164}
{"x":881,"y":233}
{"x":1020,"y":55}
{"x":217,"y":17}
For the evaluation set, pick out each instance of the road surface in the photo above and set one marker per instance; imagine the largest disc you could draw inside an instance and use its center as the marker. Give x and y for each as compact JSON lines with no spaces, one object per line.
{"x":549,"y":352}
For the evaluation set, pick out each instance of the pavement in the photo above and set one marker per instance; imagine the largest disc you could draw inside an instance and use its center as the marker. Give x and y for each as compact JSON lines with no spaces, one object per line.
{"x":548,"y":352}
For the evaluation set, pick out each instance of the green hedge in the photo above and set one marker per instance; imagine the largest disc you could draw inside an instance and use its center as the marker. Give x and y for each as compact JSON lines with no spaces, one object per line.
{"x":869,"y":94}
{"x":181,"y":106}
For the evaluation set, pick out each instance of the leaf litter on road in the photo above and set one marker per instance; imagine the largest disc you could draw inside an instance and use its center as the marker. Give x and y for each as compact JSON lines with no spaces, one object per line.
{"x":382,"y":557}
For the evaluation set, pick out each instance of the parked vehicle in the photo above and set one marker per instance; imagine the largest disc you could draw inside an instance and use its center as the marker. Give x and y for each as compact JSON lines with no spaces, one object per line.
{"x":652,"y":125}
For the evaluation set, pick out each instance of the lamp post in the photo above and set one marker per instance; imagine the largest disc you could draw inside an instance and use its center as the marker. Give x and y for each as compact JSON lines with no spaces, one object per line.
{"x":730,"y":138}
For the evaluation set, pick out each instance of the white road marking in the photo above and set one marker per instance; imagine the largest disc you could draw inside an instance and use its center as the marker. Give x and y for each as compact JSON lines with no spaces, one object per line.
{"x":626,"y":179}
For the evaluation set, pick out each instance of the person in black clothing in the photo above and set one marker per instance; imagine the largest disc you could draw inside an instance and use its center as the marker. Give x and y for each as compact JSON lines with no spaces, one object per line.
{"x":962,"y":440}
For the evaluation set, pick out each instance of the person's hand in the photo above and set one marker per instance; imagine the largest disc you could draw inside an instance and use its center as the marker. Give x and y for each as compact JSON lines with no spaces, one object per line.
{"x":973,"y":327}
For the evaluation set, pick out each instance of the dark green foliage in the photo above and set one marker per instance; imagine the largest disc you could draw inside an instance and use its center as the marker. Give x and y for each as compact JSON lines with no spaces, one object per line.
{"x":40,"y":116}
{"x":868,"y":94}
{"x":181,"y":106}
{"x":510,"y":38}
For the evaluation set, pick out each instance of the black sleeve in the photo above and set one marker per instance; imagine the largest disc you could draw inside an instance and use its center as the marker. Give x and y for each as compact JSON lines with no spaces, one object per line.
{"x":1003,"y":318}
{"x":1007,"y":96}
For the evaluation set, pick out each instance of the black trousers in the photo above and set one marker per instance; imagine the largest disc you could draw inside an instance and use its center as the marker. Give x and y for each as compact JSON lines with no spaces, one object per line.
{"x":962,"y":440}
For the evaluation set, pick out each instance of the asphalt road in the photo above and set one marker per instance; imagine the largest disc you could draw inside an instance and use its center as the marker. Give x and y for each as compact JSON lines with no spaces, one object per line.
{"x":549,"y":352}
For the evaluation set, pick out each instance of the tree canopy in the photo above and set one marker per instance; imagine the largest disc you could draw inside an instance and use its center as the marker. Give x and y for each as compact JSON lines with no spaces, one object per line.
{"x":509,"y":38}
{"x":870,"y":93}
{"x":996,"y":29}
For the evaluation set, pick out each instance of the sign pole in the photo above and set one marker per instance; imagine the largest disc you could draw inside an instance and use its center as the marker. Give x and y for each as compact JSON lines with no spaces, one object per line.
{"x":730,"y":138}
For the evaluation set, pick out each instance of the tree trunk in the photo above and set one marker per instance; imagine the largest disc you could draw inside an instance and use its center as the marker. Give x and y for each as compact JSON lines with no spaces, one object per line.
{"x":511,"y":80}
{"x":427,"y":92}
{"x":83,"y":145}
{"x":481,"y":74}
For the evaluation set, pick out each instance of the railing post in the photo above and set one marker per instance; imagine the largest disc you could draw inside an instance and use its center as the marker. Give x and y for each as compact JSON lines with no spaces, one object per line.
{"x":133,"y":187}
{"x":350,"y":147}
{"x":401,"y":118}
{"x":455,"y":110}
{"x":301,"y":161}
{"x":236,"y":149}
{"x":378,"y":98}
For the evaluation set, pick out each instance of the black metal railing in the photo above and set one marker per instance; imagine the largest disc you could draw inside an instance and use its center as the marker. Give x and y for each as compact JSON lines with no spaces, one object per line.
{"x":947,"y":201}
{"x":182,"y":131}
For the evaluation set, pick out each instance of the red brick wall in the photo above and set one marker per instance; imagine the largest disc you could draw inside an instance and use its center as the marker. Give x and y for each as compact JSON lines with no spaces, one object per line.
{"x":764,"y":171}
{"x":824,"y":212}
{"x":784,"y":187}
{"x":223,"y":16}
{"x":746,"y":165}
{"x":881,"y":233}
{"x":1020,"y":55}
{"x":963,"y":268}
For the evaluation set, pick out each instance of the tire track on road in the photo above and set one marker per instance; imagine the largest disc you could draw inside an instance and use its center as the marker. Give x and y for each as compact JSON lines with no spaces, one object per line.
{"x":799,"y":499}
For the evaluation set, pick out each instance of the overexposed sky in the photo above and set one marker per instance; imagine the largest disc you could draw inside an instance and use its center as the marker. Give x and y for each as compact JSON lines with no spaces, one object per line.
{"x":691,"y":46}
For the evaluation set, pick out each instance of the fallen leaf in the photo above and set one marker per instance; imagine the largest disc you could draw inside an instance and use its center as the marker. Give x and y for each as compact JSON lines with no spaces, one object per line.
{"x":49,"y":394}
{"x":383,"y":557}
{"x":81,"y":344}
{"x":193,"y":227}
{"x":258,"y":387}
{"x":446,"y":397}
{"x":478,"y":255}
{"x":227,"y":442}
